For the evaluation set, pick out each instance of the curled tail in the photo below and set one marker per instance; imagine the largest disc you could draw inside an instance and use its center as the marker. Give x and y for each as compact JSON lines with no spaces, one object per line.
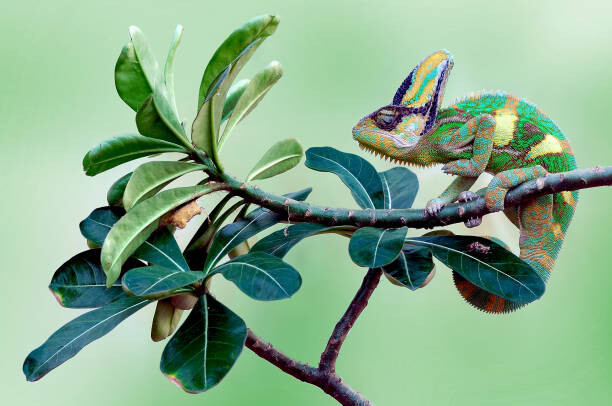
{"x":542,"y":223}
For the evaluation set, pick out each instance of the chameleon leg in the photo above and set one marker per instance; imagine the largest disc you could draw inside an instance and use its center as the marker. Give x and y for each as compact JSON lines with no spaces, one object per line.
{"x":479,"y":129}
{"x":450,"y":194}
{"x":506,"y":180}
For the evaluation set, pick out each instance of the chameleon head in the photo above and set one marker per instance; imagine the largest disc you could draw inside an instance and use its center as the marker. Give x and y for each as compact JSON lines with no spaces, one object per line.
{"x":398,"y":131}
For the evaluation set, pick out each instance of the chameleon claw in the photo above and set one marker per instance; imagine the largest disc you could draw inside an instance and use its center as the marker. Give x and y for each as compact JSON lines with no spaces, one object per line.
{"x":473,"y":222}
{"x":467,"y":196}
{"x":433,"y":207}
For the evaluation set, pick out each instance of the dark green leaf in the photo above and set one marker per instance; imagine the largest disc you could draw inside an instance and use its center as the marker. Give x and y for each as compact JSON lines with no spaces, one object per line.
{"x":250,"y":34}
{"x":280,"y":242}
{"x":356,"y":173}
{"x":375,"y":247}
{"x":155,"y":282}
{"x":133,"y":229}
{"x":149,"y":178}
{"x":411,"y":268}
{"x":254,"y":93}
{"x":115,"y":193}
{"x":233,"y":234}
{"x":486,"y":265}
{"x":167,"y":111}
{"x":159,"y":249}
{"x":122,"y":149}
{"x":400,"y":187}
{"x":233,"y":94}
{"x":81,"y":282}
{"x":205,"y":348}
{"x":261,"y":276}
{"x":130,"y":81}
{"x":66,"y":342}
{"x":150,"y":124}
{"x":280,"y":158}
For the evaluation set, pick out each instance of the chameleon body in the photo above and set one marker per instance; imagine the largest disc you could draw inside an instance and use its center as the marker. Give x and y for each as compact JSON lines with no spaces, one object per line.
{"x":492,"y":132}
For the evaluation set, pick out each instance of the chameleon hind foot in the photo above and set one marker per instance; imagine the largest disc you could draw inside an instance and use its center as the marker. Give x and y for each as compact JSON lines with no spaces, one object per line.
{"x":468,"y":196}
{"x":433,"y":207}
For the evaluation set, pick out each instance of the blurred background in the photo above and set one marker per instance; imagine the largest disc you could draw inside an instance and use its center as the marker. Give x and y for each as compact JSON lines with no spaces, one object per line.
{"x":342,"y":60}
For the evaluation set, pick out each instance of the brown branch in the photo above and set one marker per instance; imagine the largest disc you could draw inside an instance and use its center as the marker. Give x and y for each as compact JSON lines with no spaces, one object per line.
{"x":327,"y":381}
{"x":358,"y":304}
{"x":416,"y":218}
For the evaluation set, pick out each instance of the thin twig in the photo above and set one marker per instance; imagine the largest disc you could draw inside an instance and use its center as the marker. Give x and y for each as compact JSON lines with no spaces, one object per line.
{"x":327,"y":381}
{"x":416,"y":218}
{"x":358,"y":304}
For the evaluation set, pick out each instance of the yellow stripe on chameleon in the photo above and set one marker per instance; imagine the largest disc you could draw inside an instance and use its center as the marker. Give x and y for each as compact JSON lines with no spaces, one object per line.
{"x":505,"y":124}
{"x":423,"y":70}
{"x":549,"y":145}
{"x":557,"y":232}
{"x":569,"y":198}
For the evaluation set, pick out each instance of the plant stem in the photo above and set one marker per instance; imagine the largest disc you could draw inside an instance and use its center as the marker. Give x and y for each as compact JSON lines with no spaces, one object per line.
{"x":416,"y":218}
{"x":358,"y":304}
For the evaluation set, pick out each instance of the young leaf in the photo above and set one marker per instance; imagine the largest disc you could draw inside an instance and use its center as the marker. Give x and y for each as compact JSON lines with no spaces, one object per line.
{"x":165,"y":320}
{"x":233,"y":94}
{"x":81,"y":283}
{"x":169,"y":68}
{"x":205,"y":348}
{"x":280,"y":158}
{"x":400,"y":187}
{"x":115,"y":193}
{"x":159,"y":249}
{"x":138,"y":224}
{"x":251,"y":34}
{"x":66,"y":342}
{"x":145,"y":56}
{"x":155,"y":282}
{"x":149,"y":178}
{"x":356,"y":173}
{"x":412,"y":267}
{"x":254,"y":93}
{"x":261,"y":276}
{"x":233,"y":234}
{"x":122,"y":149}
{"x":487,"y":265}
{"x":130,"y":81}
{"x":280,"y":242}
{"x":375,"y":247}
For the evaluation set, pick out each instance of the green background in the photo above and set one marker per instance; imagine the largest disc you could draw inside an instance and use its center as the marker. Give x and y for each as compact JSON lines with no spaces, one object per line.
{"x":341,"y":60}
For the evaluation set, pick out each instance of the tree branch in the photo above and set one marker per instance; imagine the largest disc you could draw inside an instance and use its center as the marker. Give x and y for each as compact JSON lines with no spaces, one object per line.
{"x":416,"y":218}
{"x":327,"y":381}
{"x":358,"y":304}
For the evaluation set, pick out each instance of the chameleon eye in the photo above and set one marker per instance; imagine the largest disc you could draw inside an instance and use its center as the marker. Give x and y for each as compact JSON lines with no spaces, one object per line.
{"x":385,"y":119}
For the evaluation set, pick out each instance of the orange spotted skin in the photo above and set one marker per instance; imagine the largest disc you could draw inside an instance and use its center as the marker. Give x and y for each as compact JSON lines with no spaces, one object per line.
{"x":491,"y":132}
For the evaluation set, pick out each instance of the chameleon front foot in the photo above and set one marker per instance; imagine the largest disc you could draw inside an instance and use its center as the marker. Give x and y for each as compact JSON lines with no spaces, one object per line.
{"x":468,"y":196}
{"x":433,"y":207}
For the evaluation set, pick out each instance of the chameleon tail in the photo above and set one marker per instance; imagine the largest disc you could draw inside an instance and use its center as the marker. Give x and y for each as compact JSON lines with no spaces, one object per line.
{"x":542,"y":224}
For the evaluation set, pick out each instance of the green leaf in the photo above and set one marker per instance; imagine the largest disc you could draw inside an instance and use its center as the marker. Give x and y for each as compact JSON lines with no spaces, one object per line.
{"x":130,"y":81}
{"x":412,"y":267}
{"x":254,"y":93}
{"x":356,"y":173}
{"x":156,"y":282}
{"x":81,"y":283}
{"x":261,"y":276}
{"x":122,"y":149}
{"x":167,"y":111}
{"x":169,"y":68}
{"x":66,"y":342}
{"x":487,"y":265}
{"x":280,"y":158}
{"x":149,"y":178}
{"x":138,"y":224}
{"x":251,"y":34}
{"x":205,"y":348}
{"x":115,"y":193}
{"x":150,"y":124}
{"x":159,"y":249}
{"x":145,"y":56}
{"x":280,"y":242}
{"x":375,"y":247}
{"x":233,"y":234}
{"x":233,"y":94}
{"x":400,"y":187}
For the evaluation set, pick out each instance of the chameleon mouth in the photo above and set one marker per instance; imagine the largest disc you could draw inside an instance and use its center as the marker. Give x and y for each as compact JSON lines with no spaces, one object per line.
{"x":393,"y":160}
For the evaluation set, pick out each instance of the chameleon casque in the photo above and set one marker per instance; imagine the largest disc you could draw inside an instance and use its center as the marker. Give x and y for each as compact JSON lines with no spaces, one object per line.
{"x":492,"y":132}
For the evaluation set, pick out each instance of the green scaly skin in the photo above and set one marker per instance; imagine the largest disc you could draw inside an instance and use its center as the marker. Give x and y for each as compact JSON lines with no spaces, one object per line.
{"x":490,"y":132}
